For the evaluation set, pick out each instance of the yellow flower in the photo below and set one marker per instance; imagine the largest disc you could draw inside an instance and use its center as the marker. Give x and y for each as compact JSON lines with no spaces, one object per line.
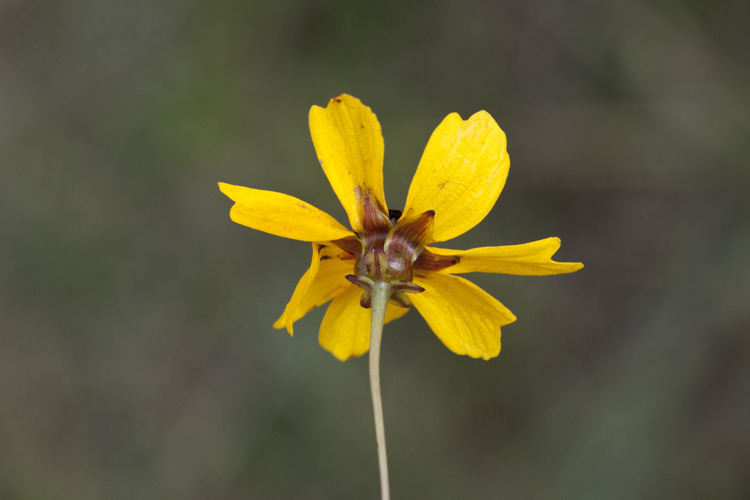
{"x":459,"y":178}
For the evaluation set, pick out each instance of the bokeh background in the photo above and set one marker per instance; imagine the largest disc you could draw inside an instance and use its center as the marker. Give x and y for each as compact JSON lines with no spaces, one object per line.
{"x":137,"y":358}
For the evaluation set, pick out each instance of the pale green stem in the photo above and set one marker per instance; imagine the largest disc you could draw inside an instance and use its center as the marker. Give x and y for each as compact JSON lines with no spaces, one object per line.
{"x":381,"y":294}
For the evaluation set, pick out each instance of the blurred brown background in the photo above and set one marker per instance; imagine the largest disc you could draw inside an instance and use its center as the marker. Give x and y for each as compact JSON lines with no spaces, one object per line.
{"x":137,"y":358}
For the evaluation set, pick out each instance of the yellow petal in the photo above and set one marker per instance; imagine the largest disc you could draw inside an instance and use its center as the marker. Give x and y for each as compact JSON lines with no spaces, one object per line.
{"x":349,"y":143}
{"x":466,"y":318}
{"x":281,"y":214}
{"x":462,"y":171}
{"x":345,"y":330}
{"x":393,"y":312}
{"x":529,"y":259}
{"x":322,"y":282}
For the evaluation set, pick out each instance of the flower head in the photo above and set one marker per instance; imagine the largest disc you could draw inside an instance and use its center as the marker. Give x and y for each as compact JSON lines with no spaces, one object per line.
{"x":458,"y":180}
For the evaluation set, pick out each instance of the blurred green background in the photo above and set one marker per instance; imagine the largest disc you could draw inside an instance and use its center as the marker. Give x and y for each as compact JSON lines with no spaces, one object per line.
{"x":137,"y":358}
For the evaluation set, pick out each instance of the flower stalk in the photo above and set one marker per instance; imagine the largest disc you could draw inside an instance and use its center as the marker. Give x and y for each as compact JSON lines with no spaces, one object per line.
{"x":380,"y":295}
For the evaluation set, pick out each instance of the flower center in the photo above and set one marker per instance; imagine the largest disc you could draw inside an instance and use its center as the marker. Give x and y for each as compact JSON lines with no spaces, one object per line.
{"x":389,"y":247}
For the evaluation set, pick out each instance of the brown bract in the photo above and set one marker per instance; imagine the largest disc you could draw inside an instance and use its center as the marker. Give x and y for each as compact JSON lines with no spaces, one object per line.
{"x":389,"y":252}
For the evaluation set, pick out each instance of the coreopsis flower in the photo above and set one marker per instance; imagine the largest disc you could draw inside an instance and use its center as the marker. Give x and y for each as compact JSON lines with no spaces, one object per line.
{"x":458,"y":180}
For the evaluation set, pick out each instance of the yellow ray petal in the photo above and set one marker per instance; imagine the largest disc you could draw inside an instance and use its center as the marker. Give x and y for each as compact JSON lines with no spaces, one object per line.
{"x":349,"y":143}
{"x":466,"y":318}
{"x":281,"y":214}
{"x":461,"y":173}
{"x":529,"y":259}
{"x":345,"y":330}
{"x":322,"y":282}
{"x":393,"y":312}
